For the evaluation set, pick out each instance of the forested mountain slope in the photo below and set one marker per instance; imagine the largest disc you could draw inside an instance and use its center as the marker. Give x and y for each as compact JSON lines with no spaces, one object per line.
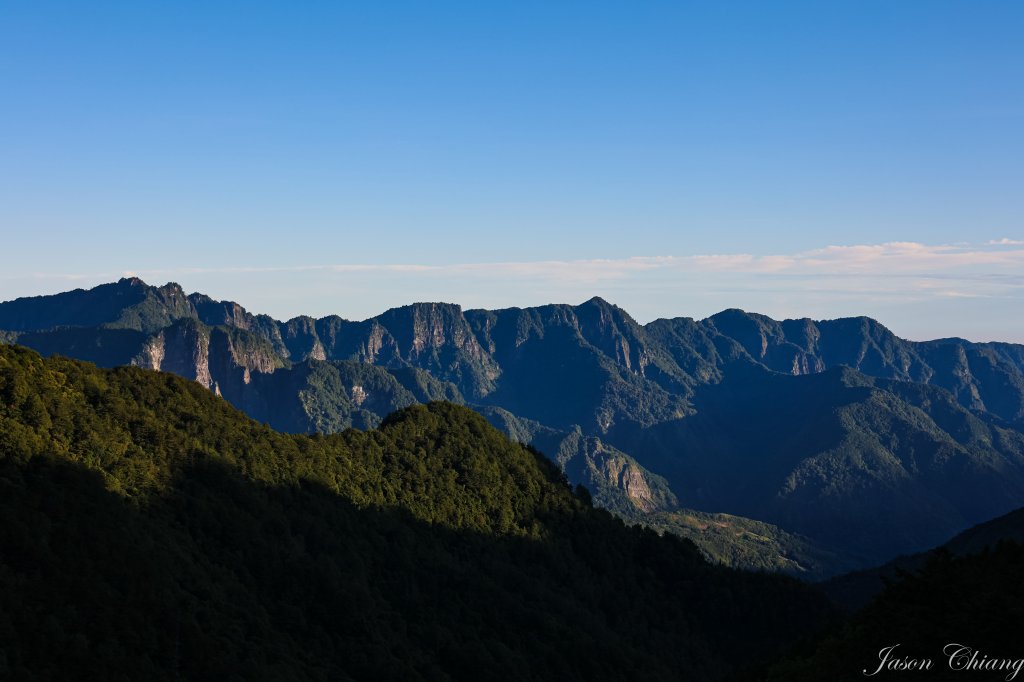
{"x":961,"y":616}
{"x":152,"y":531}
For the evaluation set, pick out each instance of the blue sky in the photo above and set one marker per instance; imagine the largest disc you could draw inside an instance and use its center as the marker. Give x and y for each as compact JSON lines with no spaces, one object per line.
{"x":348,"y":157}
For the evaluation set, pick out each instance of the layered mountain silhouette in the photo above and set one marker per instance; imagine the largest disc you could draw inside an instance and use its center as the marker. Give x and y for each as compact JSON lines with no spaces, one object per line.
{"x":809,"y":446}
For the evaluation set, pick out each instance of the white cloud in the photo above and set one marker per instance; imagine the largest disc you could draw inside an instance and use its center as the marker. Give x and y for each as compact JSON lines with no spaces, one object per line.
{"x":959,"y":294}
{"x":892,"y":258}
{"x":997,"y":266}
{"x":1006,"y":242}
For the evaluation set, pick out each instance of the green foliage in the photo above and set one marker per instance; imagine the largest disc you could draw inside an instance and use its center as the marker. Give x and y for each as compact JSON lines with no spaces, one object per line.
{"x":151,"y":531}
{"x":329,"y":397}
{"x":754,"y":545}
{"x":96,"y":419}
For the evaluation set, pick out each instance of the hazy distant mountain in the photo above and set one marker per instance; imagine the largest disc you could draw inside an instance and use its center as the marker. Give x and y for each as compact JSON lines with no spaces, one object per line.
{"x":847,"y":444}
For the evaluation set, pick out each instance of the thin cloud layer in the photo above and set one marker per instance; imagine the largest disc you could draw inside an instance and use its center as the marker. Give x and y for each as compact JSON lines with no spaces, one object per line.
{"x":891,"y":258}
{"x":998,"y":263}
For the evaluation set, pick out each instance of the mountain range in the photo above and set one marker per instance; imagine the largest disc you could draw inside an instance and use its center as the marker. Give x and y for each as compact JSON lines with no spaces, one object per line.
{"x":808,"y":446}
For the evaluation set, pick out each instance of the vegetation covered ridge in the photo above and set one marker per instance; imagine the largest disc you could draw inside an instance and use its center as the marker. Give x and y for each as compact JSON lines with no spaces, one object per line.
{"x":152,"y":531}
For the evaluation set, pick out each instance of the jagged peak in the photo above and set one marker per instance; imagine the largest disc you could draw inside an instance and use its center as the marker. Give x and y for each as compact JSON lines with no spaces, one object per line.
{"x":420,"y":310}
{"x":300,"y":320}
{"x":172,"y":288}
{"x":867,"y":324}
{"x":614,"y":312}
{"x":331,"y":319}
{"x":427,"y":305}
{"x":603,"y":304}
{"x":197,"y":297}
{"x":737,"y":313}
{"x":733,"y":321}
{"x":951,"y":340}
{"x":679,"y":319}
{"x":728,"y":311}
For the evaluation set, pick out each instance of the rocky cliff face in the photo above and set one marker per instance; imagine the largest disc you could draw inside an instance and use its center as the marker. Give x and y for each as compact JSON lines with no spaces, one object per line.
{"x":301,"y":339}
{"x":222,"y":359}
{"x":183,"y":349}
{"x":608,"y":468}
{"x":221,"y":313}
{"x":438,"y":338}
{"x":431,"y":336}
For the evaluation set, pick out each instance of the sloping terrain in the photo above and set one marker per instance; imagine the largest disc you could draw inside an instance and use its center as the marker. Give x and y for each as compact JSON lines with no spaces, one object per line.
{"x":857,"y":589}
{"x":955,"y":617}
{"x":152,"y":531}
{"x":842,"y":436}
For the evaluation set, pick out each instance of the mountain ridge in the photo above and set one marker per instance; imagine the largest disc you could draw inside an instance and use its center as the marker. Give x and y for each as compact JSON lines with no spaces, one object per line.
{"x":649,"y":401}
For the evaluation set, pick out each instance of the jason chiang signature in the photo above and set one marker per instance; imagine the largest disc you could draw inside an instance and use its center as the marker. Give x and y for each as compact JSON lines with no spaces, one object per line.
{"x":955,"y":657}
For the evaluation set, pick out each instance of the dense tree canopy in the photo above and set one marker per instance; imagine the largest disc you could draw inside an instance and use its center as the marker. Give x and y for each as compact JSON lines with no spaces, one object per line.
{"x":151,"y":531}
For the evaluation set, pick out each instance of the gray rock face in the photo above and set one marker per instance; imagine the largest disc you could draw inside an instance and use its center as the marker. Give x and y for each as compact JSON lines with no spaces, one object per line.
{"x":183,"y":349}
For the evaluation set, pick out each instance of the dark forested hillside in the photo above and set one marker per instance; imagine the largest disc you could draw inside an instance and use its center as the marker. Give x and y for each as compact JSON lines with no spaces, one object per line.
{"x":854,"y":590}
{"x":841,"y":443}
{"x":151,"y":531}
{"x":962,"y":616}
{"x":954,"y":609}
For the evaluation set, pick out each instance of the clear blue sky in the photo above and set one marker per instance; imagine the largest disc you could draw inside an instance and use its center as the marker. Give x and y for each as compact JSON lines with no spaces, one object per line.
{"x":243,"y":149}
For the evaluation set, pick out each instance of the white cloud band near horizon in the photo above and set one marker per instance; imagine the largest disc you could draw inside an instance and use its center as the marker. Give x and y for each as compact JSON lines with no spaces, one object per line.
{"x":890,"y":258}
{"x":923,"y":290}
